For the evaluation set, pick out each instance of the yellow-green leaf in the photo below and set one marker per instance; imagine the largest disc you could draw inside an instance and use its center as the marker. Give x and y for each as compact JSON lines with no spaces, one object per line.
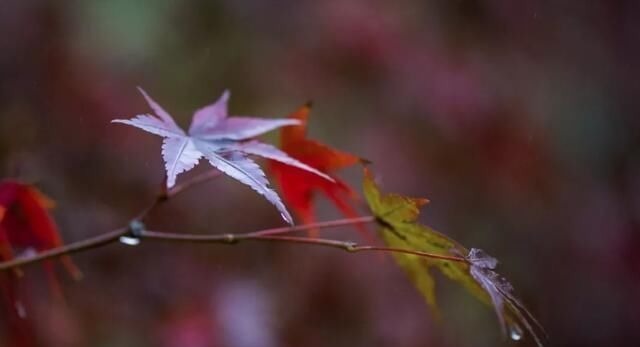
{"x":398,"y":227}
{"x":397,"y":217}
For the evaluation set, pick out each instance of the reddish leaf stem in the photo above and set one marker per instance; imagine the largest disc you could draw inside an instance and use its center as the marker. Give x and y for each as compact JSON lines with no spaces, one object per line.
{"x":353,"y":247}
{"x":271,"y":235}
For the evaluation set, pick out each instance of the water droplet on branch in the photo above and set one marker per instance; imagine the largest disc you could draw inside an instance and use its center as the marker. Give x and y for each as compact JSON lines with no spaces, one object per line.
{"x":515,"y":332}
{"x":129,"y":241}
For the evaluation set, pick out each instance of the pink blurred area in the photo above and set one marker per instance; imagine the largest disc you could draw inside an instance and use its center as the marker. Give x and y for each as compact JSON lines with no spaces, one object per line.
{"x":518,"y":120}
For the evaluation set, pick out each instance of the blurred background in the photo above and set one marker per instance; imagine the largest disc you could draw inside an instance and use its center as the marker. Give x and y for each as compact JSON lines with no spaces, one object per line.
{"x":518,"y":120}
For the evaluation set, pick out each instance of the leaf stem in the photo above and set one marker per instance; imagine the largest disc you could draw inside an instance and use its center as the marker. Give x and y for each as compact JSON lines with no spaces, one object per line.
{"x":273,"y":235}
{"x":353,"y":247}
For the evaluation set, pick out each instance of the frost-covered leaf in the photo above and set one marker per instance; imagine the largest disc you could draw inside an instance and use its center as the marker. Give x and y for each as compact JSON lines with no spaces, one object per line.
{"x":159,"y":111}
{"x":219,"y":138}
{"x":270,"y":152}
{"x":238,"y":166}
{"x":180,"y":155}
{"x":243,"y":128}
{"x":153,"y":125}
{"x":397,"y":219}
{"x":212,"y":123}
{"x":209,"y":116}
{"x":501,"y":293}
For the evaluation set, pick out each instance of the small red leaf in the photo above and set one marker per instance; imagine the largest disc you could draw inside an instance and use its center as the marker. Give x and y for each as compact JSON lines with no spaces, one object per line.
{"x":298,"y":186}
{"x":25,"y":225}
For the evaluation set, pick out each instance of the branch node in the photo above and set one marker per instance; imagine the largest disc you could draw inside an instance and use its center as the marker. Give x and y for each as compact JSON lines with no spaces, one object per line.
{"x":136,"y":227}
{"x":163,"y":196}
{"x":351,"y":246}
{"x":230,"y":238}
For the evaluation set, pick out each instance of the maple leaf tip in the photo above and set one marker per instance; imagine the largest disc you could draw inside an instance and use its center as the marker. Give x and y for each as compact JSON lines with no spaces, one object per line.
{"x":308,"y":104}
{"x":324,"y":175}
{"x":226,"y":94}
{"x":288,"y":122}
{"x":143,"y":92}
{"x":287,"y":218}
{"x":421,"y":201}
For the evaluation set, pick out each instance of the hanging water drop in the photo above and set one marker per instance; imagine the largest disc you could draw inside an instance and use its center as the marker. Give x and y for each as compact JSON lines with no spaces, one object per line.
{"x":129,"y":241}
{"x":515,"y":332}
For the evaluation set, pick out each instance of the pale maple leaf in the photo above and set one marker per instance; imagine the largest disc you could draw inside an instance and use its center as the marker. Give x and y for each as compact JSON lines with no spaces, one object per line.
{"x":224,"y":141}
{"x":482,"y":269}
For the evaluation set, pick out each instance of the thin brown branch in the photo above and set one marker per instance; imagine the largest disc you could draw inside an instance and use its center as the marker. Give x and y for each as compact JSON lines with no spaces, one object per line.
{"x":265,"y":233}
{"x":322,"y":225}
{"x":75,"y":247}
{"x":272,"y":234}
{"x":165,"y":194}
{"x":269,"y":236}
{"x":409,"y":251}
{"x":204,"y":177}
{"x":353,"y":247}
{"x":113,"y":235}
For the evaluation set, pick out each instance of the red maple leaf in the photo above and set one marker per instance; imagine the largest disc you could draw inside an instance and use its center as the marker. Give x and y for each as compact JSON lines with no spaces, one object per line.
{"x":25,"y":225}
{"x":298,"y":186}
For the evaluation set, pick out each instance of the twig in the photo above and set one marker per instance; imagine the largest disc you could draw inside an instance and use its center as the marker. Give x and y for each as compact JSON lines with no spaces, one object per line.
{"x":165,"y":194}
{"x":204,"y":177}
{"x":272,"y":234}
{"x":75,"y":247}
{"x":321,"y":225}
{"x":354,"y":247}
{"x":260,"y":233}
{"x":113,"y":235}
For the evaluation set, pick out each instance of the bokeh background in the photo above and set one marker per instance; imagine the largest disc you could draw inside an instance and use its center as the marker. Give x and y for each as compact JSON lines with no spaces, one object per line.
{"x":518,"y":119}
